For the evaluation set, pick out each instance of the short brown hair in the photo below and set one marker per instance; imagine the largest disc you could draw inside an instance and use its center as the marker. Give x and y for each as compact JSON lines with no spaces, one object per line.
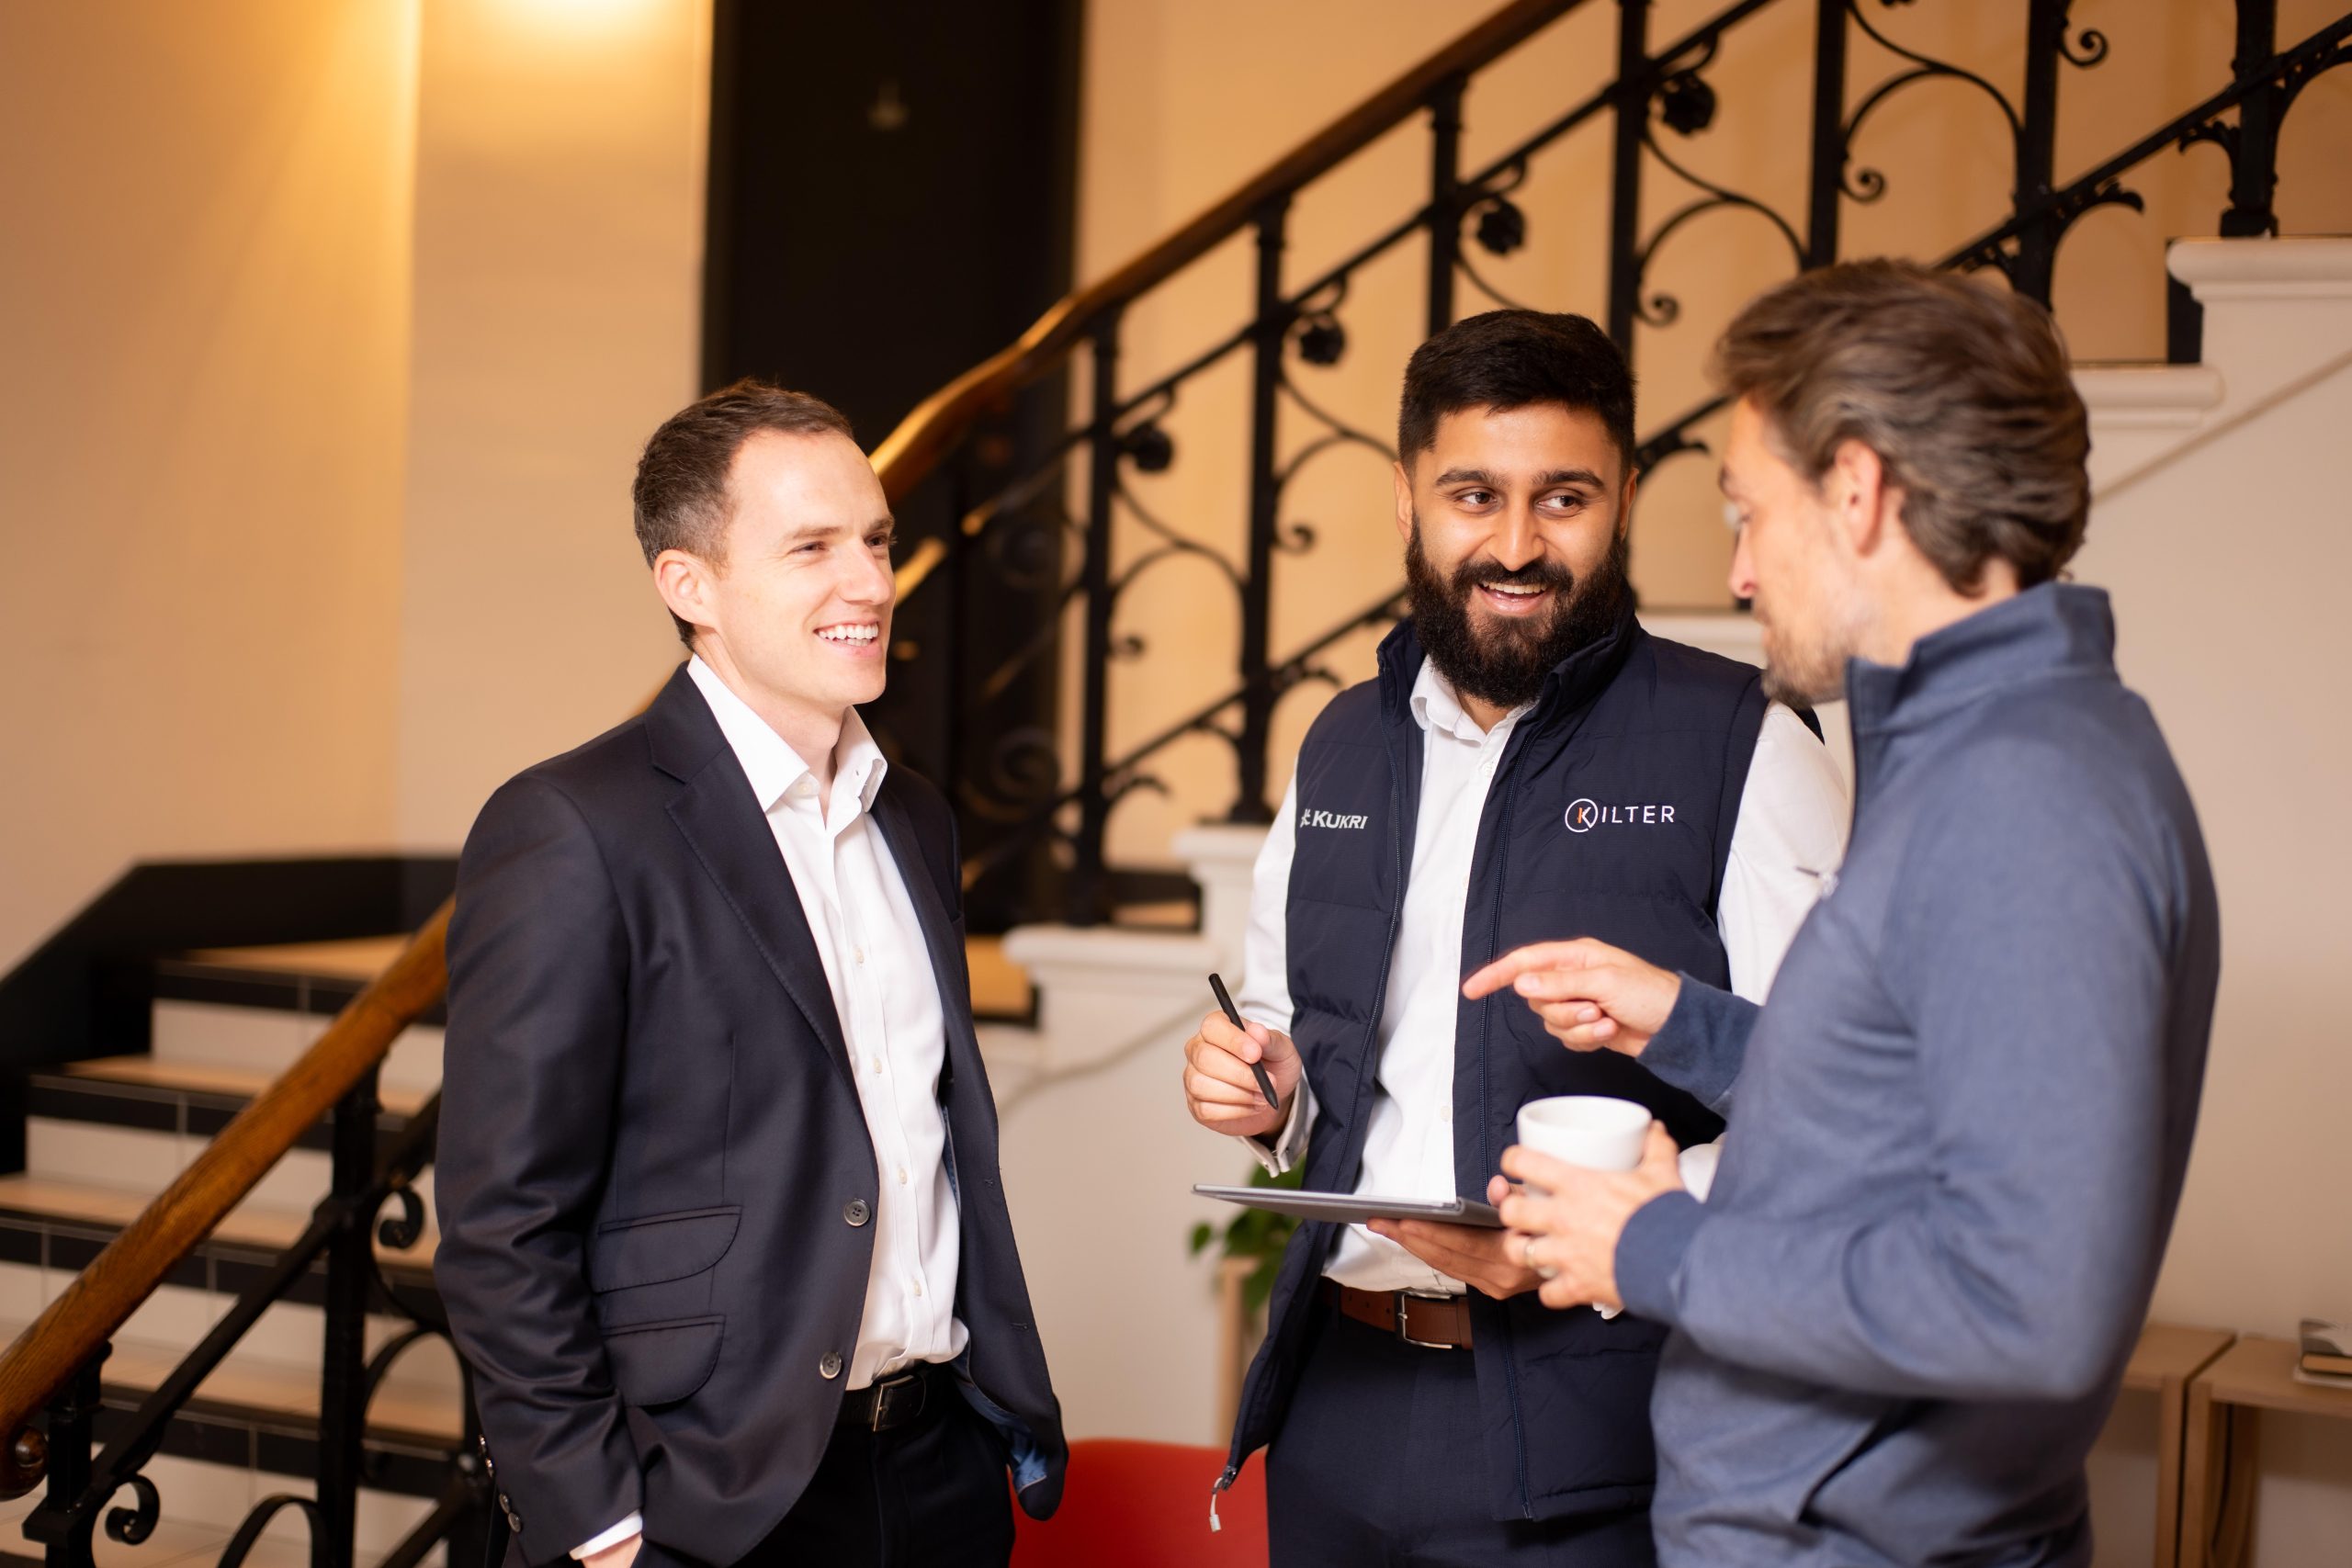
{"x":680,"y":491}
{"x":1962,"y":389}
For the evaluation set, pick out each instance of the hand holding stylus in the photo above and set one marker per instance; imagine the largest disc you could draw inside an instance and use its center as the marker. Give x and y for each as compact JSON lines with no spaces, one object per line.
{"x":1239,"y":1076}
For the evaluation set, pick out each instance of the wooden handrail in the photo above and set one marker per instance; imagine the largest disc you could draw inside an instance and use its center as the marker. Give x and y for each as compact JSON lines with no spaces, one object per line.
{"x":104,"y":1295}
{"x":910,"y":452}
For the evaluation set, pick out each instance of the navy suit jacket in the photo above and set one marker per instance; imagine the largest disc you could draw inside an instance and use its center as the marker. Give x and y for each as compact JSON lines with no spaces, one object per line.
{"x":654,"y":1171}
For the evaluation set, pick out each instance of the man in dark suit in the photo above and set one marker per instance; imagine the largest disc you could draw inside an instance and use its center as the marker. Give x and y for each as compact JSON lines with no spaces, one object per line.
{"x":722,"y":1234}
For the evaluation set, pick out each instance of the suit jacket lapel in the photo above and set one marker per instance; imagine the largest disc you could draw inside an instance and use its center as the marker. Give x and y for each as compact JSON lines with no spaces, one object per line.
{"x":938,"y":927}
{"x":721,"y":821}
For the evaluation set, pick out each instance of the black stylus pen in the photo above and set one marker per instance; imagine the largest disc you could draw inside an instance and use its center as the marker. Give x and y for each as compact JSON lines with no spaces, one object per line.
{"x":1233,"y":1014}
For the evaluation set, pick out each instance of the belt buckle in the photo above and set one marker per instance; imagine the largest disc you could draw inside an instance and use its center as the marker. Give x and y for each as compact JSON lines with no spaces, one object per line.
{"x":1400,"y":1298}
{"x":882,"y":1397}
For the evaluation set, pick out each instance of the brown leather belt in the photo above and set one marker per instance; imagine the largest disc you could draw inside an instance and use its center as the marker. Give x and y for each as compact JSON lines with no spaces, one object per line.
{"x":1434,"y":1323}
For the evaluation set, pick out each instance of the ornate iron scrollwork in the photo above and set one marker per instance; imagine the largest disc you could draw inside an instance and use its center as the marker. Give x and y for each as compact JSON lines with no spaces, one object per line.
{"x":2301,"y":72}
{"x":2004,"y":255}
{"x":1147,"y":446}
{"x":133,"y":1524}
{"x":1686,"y":103}
{"x":2093,"y":48}
{"x":248,"y":1534}
{"x":404,"y":1230}
{"x":1500,"y":229}
{"x":1865,"y":184}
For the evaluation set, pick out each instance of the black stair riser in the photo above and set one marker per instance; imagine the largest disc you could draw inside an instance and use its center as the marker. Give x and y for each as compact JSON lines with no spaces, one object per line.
{"x":280,"y":1444}
{"x":195,"y":1112}
{"x":178,"y":980}
{"x":221,"y":1266}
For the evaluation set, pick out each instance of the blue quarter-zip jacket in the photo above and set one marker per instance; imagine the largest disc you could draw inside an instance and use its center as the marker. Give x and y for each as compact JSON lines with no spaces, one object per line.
{"x":1957,"y":1127}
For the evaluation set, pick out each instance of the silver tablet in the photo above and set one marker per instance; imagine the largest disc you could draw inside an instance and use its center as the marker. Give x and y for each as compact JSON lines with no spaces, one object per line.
{"x":1355,"y":1208}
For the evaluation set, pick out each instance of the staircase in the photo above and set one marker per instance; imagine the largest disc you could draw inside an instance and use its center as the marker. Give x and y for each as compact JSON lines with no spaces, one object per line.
{"x":104,"y":1135}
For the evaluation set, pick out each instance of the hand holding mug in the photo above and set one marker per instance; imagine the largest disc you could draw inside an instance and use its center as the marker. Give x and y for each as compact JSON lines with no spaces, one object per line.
{"x":1587,"y":1163}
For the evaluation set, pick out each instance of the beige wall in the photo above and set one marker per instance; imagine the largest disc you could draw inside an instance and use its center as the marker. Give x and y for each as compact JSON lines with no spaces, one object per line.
{"x":1175,"y":116}
{"x":2235,"y":664}
{"x":331,"y":331}
{"x":204,"y":299}
{"x":559,"y":253}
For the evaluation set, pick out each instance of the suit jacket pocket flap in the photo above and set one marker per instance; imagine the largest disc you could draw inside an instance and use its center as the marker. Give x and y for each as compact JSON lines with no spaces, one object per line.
{"x":661,"y":1247}
{"x":659,"y":1363}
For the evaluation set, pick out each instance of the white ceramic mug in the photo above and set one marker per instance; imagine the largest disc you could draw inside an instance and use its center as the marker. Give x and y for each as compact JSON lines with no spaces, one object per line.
{"x":1590,"y":1130}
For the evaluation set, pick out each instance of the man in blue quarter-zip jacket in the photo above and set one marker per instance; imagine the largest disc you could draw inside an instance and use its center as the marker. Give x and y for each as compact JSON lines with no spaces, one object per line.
{"x":1529,"y":763}
{"x":1959,"y":1126}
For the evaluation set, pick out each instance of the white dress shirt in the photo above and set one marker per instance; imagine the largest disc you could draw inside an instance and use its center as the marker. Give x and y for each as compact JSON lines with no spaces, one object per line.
{"x":879,"y":969}
{"x":1790,"y":834}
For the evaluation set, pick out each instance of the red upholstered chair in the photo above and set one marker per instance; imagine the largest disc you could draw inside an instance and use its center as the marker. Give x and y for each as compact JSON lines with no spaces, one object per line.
{"x":1130,"y":1505}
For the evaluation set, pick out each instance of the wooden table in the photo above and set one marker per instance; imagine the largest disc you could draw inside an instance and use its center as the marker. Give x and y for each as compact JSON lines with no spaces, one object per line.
{"x":2166,"y":1359}
{"x":2218,"y":1477}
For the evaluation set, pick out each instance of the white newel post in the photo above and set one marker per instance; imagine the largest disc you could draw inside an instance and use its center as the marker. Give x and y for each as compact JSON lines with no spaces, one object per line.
{"x":1221,"y":859}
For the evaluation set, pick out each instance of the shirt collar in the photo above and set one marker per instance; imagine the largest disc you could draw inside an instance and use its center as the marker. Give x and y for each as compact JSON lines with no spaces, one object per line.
{"x":2057,"y":628}
{"x":1436,"y":706}
{"x":770,"y":763}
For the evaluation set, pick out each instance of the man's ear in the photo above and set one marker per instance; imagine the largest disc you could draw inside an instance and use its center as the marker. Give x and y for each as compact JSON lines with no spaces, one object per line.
{"x":1625,"y":505}
{"x":1404,"y":486}
{"x":684,"y":582}
{"x":1863,"y":506}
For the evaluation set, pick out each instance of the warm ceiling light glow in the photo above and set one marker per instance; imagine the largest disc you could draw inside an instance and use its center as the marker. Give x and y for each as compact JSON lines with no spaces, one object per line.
{"x":582,"y":15}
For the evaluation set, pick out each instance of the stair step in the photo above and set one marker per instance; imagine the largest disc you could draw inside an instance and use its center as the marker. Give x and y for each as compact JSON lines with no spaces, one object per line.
{"x":61,"y":1226}
{"x":264,"y":1042}
{"x":189,"y":1099}
{"x":318,"y":978}
{"x":1001,"y":987}
{"x":281,"y":1398}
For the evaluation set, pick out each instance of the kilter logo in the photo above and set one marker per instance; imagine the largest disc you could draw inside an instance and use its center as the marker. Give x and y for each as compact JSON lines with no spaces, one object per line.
{"x":1584,"y":816}
{"x":1308,"y":817}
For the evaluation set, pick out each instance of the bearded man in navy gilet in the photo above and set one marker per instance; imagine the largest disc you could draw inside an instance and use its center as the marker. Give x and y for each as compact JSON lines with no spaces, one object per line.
{"x":1528,"y":764}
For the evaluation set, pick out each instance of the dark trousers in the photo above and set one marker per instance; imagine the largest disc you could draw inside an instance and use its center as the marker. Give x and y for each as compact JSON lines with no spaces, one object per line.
{"x":931,"y":1494}
{"x":1381,"y":1462}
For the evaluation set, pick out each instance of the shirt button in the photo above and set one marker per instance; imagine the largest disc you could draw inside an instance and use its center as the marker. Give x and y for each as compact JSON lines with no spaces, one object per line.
{"x":830,"y":1367}
{"x":877,"y":1063}
{"x":859,"y":954}
{"x":918,"y":1287}
{"x":855,"y":1211}
{"x":902,"y":1176}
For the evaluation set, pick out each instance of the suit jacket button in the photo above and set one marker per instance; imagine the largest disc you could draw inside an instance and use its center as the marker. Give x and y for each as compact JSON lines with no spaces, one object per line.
{"x":830,"y":1367}
{"x":855,"y":1211}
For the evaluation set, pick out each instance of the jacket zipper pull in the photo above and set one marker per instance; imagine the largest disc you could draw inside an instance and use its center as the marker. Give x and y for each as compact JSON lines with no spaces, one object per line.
{"x":1222,"y":1482}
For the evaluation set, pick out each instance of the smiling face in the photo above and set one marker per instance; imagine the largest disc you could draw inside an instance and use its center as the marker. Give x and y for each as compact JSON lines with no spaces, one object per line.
{"x":795,"y":613}
{"x":1515,"y":526}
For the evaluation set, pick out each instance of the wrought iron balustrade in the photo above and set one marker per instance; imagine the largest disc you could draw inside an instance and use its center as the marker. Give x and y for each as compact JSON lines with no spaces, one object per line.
{"x":369,"y":1172}
{"x":1024,"y":795}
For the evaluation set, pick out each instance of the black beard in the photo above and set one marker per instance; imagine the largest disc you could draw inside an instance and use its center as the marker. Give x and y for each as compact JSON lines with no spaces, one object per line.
{"x":1507,"y":666}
